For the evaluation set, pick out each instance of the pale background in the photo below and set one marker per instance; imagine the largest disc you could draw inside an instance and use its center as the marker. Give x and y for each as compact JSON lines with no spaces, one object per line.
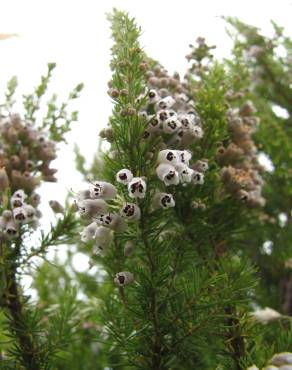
{"x":75,"y":34}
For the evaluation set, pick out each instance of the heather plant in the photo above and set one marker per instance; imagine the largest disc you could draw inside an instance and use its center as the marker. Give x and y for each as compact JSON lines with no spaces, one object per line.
{"x":186,"y":231}
{"x":165,"y":208}
{"x":28,"y":144}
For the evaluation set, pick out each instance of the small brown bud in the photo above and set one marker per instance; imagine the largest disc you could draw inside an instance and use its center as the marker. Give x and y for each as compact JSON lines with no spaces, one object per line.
{"x":56,"y":206}
{"x":113,"y":93}
{"x":131,"y":111}
{"x":4,"y":181}
{"x":124,"y":92}
{"x":143,"y":66}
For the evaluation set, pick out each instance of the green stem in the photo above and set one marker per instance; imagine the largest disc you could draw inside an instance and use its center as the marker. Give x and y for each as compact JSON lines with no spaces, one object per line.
{"x":157,"y":346}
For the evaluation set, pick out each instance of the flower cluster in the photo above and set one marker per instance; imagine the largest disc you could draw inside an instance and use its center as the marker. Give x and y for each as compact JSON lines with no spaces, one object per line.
{"x":101,"y":222}
{"x":241,"y":172}
{"x":25,"y":156}
{"x":168,"y":110}
{"x":280,"y":361}
{"x":173,"y":168}
{"x":23,"y":210}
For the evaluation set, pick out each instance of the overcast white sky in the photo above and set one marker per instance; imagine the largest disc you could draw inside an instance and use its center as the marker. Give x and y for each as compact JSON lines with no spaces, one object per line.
{"x":75,"y":34}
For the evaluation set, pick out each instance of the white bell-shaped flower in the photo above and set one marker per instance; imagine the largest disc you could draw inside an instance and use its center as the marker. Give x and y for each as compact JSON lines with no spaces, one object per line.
{"x":153,"y":96}
{"x":201,"y":165}
{"x":171,"y":125}
{"x":83,"y":194}
{"x":16,"y":202}
{"x":103,"y":239}
{"x":168,"y":174}
{"x":187,"y":121}
{"x":168,"y":156}
{"x":30,"y":212}
{"x":124,"y":176}
{"x":283,"y":358}
{"x":185,"y":173}
{"x":131,"y":211}
{"x":184,"y":155}
{"x":163,"y":200}
{"x":137,"y":188}
{"x":19,"y":194}
{"x":102,"y":190}
{"x":113,"y":221}
{"x":163,"y":115}
{"x":197,"y":178}
{"x":92,"y":207}
{"x":165,"y":103}
{"x":124,"y":278}
{"x":197,"y":132}
{"x":11,"y":229}
{"x":20,"y":215}
{"x":88,"y":233}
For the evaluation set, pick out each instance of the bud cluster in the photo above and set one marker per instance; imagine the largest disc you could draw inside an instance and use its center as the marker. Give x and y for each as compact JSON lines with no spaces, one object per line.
{"x":200,"y":55}
{"x":241,"y":172}
{"x":25,"y":157}
{"x":168,"y":110}
{"x":22,"y":211}
{"x":26,"y":153}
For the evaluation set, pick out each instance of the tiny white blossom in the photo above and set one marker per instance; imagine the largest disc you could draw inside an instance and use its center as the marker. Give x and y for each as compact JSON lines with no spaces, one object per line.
{"x":102,"y":190}
{"x":103,"y":239}
{"x":19,"y":214}
{"x":131,"y":211}
{"x":30,"y":211}
{"x":185,"y":173}
{"x":163,"y":115}
{"x":197,"y":178}
{"x":83,"y":194}
{"x":124,"y":278}
{"x":11,"y":229}
{"x":171,"y":125}
{"x":187,"y":120}
{"x":265,"y":315}
{"x":112,"y":221}
{"x":168,"y":156}
{"x":197,"y":132}
{"x":92,"y":207}
{"x":168,"y":174}
{"x":137,"y":188}
{"x":16,"y":202}
{"x":19,"y":194}
{"x":165,"y":103}
{"x":88,"y":233}
{"x":163,"y":200}
{"x":201,"y":166}
{"x":153,"y":96}
{"x":281,"y":359}
{"x":184,"y":155}
{"x":124,"y":176}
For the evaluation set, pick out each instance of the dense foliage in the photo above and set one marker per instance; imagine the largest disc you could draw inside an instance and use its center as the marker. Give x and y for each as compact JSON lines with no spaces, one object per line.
{"x":188,"y":235}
